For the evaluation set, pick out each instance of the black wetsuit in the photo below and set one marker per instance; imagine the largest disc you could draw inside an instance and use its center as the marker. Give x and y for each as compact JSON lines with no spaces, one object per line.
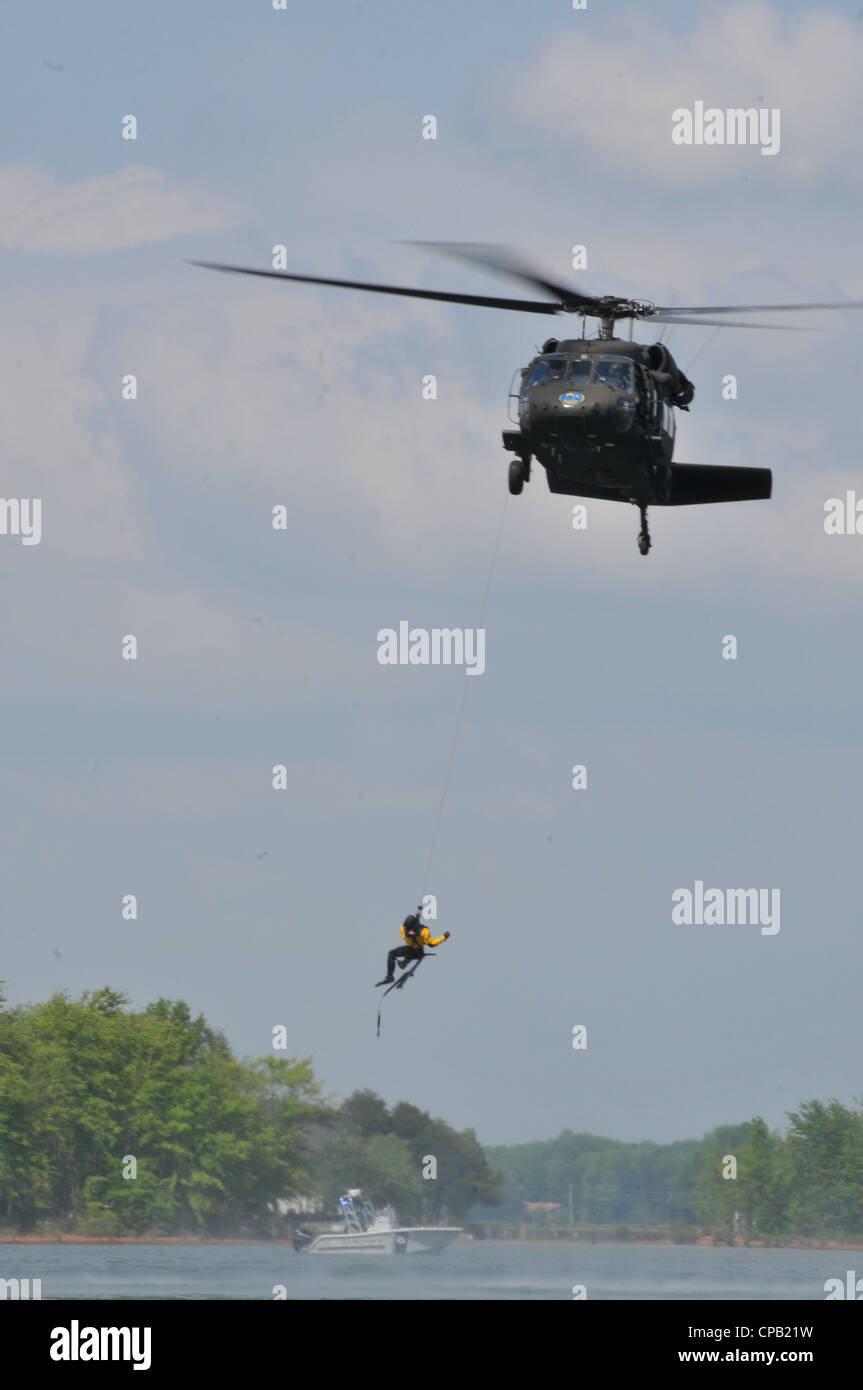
{"x":403,"y":956}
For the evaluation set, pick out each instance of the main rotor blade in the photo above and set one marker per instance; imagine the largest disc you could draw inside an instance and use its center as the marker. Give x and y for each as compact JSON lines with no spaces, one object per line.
{"x":755,"y":308}
{"x":525,"y":305}
{"x":723,"y":323}
{"x":506,"y":262}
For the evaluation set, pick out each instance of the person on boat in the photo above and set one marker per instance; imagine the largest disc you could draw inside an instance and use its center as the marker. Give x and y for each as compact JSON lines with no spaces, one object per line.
{"x":415,"y":938}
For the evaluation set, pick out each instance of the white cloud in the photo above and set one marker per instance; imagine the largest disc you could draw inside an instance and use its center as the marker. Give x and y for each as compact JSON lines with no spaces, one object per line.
{"x":131,"y":207}
{"x":615,"y":95}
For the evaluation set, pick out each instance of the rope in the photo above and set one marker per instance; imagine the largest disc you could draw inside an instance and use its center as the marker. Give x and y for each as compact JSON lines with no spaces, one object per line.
{"x":705,"y":345}
{"x":450,"y":761}
{"x":467,"y":684}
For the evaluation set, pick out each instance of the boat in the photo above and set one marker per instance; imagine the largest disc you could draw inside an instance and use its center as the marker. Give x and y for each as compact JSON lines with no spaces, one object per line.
{"x":363,"y":1231}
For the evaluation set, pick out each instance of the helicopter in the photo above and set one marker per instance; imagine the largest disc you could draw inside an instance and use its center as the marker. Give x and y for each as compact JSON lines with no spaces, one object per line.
{"x":596,"y":413}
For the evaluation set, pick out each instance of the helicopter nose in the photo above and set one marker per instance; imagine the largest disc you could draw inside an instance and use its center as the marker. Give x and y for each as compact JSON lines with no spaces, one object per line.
{"x":582,"y":403}
{"x":596,"y":408}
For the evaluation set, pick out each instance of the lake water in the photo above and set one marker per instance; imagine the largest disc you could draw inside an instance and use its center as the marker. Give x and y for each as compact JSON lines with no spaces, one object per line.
{"x":467,"y":1270}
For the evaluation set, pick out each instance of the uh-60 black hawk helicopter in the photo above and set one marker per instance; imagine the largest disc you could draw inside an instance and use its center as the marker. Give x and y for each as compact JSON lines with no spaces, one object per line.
{"x":598,"y":414}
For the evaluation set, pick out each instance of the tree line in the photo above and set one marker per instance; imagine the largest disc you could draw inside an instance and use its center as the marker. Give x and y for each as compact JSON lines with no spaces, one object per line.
{"x":115,"y":1121}
{"x":804,"y":1181}
{"x":122,"y":1121}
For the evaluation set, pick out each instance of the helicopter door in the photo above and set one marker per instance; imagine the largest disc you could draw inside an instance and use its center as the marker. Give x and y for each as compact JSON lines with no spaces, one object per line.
{"x":515,"y":386}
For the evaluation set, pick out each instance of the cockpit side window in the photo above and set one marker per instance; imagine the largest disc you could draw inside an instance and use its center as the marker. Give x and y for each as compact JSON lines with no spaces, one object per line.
{"x":578,"y":372}
{"x":546,"y":369}
{"x":615,"y":372}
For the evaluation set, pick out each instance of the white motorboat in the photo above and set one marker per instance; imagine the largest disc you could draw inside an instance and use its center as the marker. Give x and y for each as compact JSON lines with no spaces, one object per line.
{"x":363,"y":1231}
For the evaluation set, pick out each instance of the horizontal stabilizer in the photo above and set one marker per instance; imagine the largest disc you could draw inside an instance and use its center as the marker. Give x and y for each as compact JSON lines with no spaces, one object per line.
{"x":706,"y":482}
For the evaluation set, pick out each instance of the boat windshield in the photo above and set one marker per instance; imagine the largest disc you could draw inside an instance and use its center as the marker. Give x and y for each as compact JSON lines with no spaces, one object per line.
{"x":615,"y":372}
{"x":357,"y":1212}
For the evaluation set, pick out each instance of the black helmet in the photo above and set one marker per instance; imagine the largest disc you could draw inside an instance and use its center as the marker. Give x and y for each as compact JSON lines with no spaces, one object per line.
{"x":412,"y":925}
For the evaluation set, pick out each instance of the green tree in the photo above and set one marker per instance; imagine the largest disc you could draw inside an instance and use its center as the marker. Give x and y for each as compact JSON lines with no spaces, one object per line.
{"x":717,"y":1195}
{"x":825,"y":1149}
{"x":388,"y":1164}
{"x":763,"y":1178}
{"x":367,"y":1113}
{"x":88,"y":1085}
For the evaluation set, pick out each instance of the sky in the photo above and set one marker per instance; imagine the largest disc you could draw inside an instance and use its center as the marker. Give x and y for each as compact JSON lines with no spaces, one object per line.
{"x":258,"y":647}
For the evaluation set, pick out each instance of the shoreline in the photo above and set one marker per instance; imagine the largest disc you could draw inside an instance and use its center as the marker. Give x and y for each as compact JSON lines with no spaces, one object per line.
{"x":704,"y":1242}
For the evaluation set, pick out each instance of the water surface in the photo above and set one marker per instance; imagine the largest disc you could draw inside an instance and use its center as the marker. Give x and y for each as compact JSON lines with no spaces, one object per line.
{"x":466,"y":1270}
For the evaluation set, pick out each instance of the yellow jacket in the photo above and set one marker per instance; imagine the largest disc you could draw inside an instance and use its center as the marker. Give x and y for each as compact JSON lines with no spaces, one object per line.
{"x":416,"y":943}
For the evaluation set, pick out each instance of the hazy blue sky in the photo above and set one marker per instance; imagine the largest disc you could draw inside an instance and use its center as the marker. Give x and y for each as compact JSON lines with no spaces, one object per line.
{"x":258,"y":647}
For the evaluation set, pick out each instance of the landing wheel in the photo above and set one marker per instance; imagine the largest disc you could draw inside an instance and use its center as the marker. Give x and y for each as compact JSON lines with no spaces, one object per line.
{"x":519,"y":471}
{"x":644,"y":533}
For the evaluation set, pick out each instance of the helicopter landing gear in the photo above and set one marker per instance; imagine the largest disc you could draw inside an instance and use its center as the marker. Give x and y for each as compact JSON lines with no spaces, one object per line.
{"x":644,"y":534}
{"x":519,"y":474}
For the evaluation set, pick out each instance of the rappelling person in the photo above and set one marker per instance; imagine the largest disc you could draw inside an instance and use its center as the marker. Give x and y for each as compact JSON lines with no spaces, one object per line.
{"x":415,"y":937}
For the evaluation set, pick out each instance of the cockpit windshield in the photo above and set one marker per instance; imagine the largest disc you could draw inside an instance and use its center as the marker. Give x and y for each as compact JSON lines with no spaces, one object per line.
{"x":579,"y":371}
{"x":546,"y":369}
{"x":615,"y":372}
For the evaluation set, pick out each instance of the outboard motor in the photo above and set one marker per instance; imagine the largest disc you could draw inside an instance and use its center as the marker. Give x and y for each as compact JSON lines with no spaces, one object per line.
{"x":301,"y":1238}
